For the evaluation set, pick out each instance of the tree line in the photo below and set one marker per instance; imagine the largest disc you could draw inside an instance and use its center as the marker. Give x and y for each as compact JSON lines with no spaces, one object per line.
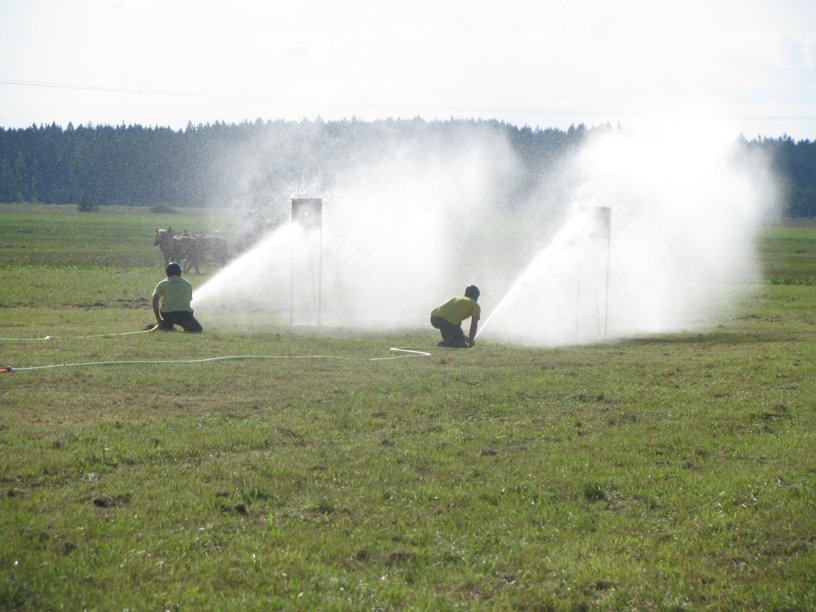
{"x":252,"y":163}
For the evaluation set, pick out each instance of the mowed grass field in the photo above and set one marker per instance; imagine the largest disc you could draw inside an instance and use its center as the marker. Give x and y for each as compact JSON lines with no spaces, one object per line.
{"x":663,"y":472}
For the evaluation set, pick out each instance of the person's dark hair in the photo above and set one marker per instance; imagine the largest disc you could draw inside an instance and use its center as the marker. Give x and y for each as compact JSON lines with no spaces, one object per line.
{"x":472,"y":291}
{"x":173,"y":269}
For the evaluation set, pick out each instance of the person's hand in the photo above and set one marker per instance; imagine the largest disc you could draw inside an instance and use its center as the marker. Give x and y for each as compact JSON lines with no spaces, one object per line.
{"x":470,"y":342}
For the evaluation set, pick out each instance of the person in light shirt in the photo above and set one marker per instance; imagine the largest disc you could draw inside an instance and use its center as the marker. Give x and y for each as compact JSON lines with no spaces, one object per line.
{"x":171,"y":301}
{"x":448,"y":317}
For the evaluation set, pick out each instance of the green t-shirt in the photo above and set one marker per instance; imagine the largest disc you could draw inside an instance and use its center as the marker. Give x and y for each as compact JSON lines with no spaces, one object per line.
{"x":175,"y":293}
{"x":457,"y":309}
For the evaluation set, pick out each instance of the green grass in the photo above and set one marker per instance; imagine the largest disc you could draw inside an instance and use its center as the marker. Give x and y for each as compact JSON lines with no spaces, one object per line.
{"x":662,"y":472}
{"x":111,"y":236}
{"x":789,"y":255}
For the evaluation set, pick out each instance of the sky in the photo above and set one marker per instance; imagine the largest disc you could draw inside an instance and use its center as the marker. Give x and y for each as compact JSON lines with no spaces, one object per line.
{"x":539,"y":63}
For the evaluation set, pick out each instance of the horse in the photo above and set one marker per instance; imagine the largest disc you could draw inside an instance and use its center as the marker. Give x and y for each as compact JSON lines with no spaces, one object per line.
{"x":184,"y":249}
{"x":188,"y":250}
{"x":164,"y":240}
{"x":215,"y":247}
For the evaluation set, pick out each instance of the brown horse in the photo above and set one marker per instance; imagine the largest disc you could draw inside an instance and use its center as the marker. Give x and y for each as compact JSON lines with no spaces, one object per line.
{"x":191,"y":250}
{"x":214,"y":247}
{"x":184,"y":249}
{"x":188,"y":250}
{"x":164,"y":240}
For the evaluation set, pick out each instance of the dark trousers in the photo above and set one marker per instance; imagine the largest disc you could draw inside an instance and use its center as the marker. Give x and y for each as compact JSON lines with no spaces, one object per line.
{"x":452,"y":334}
{"x":184,"y":318}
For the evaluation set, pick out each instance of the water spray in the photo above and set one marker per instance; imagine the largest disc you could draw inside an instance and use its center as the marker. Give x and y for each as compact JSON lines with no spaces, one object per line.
{"x":597,"y":225}
{"x":582,"y":230}
{"x":406,"y":224}
{"x":307,"y":217}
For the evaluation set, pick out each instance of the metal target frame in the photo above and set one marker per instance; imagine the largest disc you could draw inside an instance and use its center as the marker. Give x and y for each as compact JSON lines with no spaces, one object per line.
{"x":308,"y":214}
{"x":599,"y":220}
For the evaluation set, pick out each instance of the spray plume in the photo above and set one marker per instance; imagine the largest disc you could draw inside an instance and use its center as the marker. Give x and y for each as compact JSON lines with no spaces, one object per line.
{"x":405,"y":231}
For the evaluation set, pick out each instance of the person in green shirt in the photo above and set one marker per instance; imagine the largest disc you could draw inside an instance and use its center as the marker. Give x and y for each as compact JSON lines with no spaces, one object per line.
{"x":448,"y":317}
{"x":171,"y":301}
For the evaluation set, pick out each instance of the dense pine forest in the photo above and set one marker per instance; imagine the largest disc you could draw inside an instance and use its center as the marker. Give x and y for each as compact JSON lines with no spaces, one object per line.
{"x":253,"y":163}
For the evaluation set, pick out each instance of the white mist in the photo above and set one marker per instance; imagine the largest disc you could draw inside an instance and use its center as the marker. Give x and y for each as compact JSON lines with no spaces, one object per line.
{"x":685,"y":210}
{"x":428,"y":217}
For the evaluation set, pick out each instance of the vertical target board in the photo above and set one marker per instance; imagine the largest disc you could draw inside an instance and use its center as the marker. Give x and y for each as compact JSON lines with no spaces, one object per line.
{"x":306,"y":286}
{"x":592,"y":278}
{"x":307,"y":212}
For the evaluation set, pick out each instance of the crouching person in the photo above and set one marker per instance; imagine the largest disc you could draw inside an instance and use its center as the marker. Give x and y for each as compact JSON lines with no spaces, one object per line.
{"x":171,"y":301}
{"x":448,"y":317}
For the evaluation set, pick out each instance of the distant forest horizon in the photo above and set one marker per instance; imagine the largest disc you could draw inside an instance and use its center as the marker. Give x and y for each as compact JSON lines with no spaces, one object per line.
{"x":256,"y":163}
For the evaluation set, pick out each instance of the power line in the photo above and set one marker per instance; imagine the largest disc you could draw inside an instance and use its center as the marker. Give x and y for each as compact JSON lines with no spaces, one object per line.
{"x":441,"y":107}
{"x":133,"y":90}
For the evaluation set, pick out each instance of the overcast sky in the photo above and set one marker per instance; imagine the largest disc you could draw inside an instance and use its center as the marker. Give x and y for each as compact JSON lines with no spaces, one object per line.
{"x":542,"y":63}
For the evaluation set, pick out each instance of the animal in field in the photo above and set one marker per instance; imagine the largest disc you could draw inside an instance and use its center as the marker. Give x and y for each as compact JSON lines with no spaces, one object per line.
{"x":183,"y":249}
{"x":205,"y":248}
{"x":164,"y":240}
{"x":191,"y":250}
{"x":188,"y":251}
{"x":214,"y":247}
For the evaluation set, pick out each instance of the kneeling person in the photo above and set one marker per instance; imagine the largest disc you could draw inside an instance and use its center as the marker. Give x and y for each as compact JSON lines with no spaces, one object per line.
{"x":448,"y":317}
{"x":171,"y":301}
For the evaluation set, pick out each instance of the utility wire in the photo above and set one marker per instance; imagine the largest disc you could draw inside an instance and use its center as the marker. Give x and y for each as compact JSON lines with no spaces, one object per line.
{"x":356,"y":104}
{"x":133,"y":90}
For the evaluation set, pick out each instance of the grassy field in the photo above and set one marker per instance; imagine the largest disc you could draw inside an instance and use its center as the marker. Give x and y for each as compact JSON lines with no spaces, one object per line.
{"x":662,"y":472}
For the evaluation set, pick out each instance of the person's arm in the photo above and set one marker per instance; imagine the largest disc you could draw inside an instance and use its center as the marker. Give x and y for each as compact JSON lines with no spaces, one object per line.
{"x":474,"y":323}
{"x":156,"y":308}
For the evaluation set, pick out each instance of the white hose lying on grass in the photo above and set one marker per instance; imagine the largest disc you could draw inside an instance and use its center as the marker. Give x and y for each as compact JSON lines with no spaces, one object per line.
{"x":141,"y":331}
{"x":3,"y":369}
{"x":8,"y":368}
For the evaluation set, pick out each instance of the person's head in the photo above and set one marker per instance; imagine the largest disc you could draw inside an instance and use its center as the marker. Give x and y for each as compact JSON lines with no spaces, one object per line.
{"x":472,"y":291}
{"x":173,"y":269}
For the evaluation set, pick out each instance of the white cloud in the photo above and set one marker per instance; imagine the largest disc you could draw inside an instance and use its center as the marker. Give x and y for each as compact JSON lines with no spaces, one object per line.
{"x":520,"y":61}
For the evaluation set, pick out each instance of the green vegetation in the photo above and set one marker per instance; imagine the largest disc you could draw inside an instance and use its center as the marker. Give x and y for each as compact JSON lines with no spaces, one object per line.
{"x":660,"y":472}
{"x":789,"y":255}
{"x":209,"y":165}
{"x":118,"y":236}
